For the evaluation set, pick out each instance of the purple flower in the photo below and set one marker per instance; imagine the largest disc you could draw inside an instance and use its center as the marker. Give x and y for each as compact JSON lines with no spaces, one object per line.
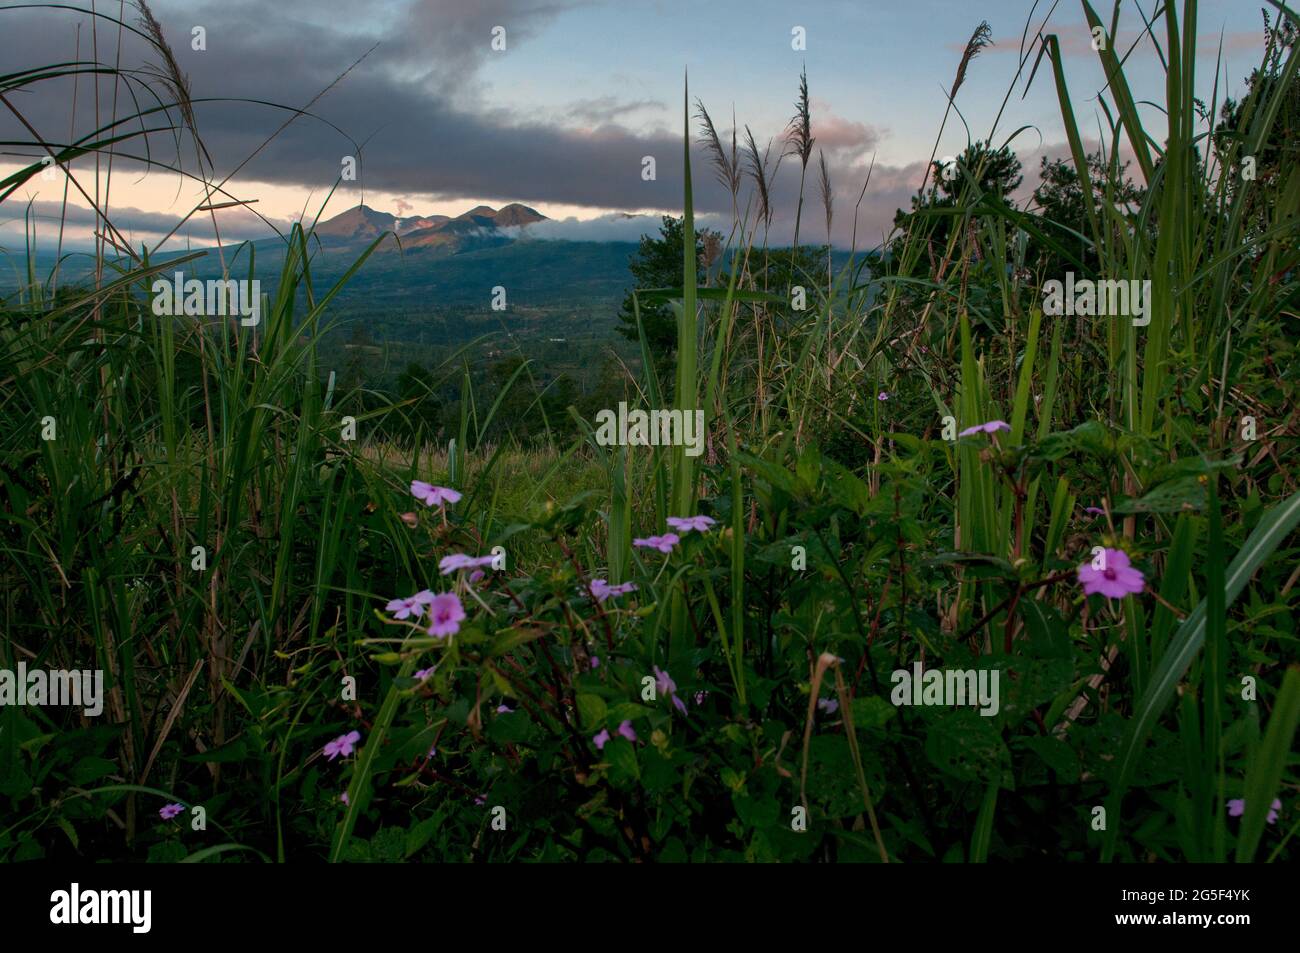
{"x":344,"y":797}
{"x":664,"y":682}
{"x":684,"y":524}
{"x":1116,"y":581}
{"x":600,"y":739}
{"x":626,"y":731}
{"x":883,"y":395}
{"x":1094,"y":511}
{"x":1237,"y":807}
{"x":481,"y":799}
{"x":168,"y":811}
{"x":410,"y":606}
{"x":433,"y":495}
{"x":993,"y":426}
{"x":445,"y":614}
{"x":424,"y":673}
{"x":664,"y":543}
{"x":601,"y":590}
{"x":342,"y":745}
{"x":449,"y":564}
{"x":700,"y":696}
{"x":665,"y":685}
{"x":829,"y":705}
{"x":504,"y":709}
{"x":476,"y":576}
{"x":595,"y":661}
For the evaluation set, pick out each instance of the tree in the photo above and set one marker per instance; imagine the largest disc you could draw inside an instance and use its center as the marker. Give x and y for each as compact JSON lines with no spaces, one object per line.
{"x":997,"y":173}
{"x":657,"y":263}
{"x":1059,"y":202}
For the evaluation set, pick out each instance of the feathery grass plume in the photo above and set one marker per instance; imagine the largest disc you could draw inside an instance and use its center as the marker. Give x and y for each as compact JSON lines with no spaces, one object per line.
{"x":828,"y":203}
{"x":981,"y":38}
{"x":762,"y":178}
{"x":799,"y":140}
{"x":726,"y":165}
{"x":169,"y":74}
{"x":799,"y":135}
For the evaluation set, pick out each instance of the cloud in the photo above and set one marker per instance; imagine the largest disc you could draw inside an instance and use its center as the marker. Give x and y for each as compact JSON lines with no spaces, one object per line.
{"x":80,"y":222}
{"x":413,"y":102}
{"x":611,"y":227}
{"x":451,"y":39}
{"x":1076,"y":39}
{"x":605,"y":109}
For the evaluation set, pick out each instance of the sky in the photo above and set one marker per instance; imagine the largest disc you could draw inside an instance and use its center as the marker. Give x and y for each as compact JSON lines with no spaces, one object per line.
{"x":563,"y":117}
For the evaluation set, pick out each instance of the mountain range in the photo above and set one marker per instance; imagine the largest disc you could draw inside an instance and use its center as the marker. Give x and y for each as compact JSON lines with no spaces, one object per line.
{"x":480,"y":227}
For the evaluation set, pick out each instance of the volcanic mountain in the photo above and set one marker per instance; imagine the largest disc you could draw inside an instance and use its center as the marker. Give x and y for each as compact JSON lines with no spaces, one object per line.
{"x":480,"y":227}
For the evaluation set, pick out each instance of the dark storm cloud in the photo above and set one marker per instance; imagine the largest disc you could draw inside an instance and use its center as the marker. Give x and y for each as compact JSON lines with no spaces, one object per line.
{"x":413,"y":102}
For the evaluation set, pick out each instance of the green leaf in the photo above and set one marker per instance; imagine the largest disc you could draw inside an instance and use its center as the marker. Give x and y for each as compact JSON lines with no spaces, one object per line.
{"x":91,"y":769}
{"x":591,"y":709}
{"x":966,"y":745}
{"x":872,"y":711}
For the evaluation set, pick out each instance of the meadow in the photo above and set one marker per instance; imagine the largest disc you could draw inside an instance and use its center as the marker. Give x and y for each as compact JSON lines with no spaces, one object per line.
{"x":330,"y":630}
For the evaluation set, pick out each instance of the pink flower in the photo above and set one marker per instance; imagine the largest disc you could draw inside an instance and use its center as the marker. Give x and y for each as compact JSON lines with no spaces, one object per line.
{"x":601,"y":590}
{"x":664,"y":682}
{"x":595,"y":661}
{"x":1237,"y":807}
{"x":666,"y":686}
{"x":626,"y":731}
{"x":433,"y":495}
{"x":600,"y":739}
{"x":410,"y":519}
{"x":342,"y":745}
{"x":411,"y":606}
{"x":449,"y":564}
{"x":664,"y":543}
{"x":883,"y":395}
{"x":168,"y":811}
{"x":1116,"y":581}
{"x":684,"y":524}
{"x":344,"y":797}
{"x":993,"y":426}
{"x":445,"y":614}
{"x":829,"y":705}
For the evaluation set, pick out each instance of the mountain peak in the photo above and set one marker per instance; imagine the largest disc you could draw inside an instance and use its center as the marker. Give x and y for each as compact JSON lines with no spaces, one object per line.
{"x":516,"y":214}
{"x":363,"y":223}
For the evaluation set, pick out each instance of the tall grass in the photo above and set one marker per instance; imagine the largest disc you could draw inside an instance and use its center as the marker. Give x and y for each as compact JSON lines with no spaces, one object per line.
{"x":171,"y":434}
